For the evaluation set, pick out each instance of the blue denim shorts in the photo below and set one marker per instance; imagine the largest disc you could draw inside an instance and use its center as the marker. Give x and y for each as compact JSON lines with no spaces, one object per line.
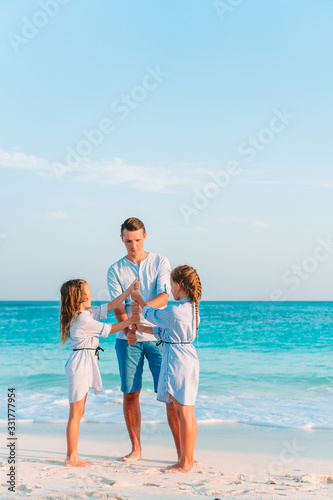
{"x":131,"y":360}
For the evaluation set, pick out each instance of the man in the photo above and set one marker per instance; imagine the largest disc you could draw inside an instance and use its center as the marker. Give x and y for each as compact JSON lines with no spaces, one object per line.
{"x":153,"y":272}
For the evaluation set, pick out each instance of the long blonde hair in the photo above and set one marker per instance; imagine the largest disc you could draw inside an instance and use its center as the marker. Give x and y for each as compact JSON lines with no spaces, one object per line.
{"x":72,"y":295}
{"x":188,"y":279}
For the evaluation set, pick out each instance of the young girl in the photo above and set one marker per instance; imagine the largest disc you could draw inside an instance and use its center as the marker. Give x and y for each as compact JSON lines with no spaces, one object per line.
{"x":79,"y":322}
{"x":177,"y":327}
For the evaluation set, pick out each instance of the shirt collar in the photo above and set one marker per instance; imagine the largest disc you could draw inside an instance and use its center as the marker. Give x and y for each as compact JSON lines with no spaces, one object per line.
{"x":185,"y":299}
{"x":134,"y":263}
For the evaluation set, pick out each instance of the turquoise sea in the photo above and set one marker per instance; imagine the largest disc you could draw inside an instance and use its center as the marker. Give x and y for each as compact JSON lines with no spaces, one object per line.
{"x":261,"y":363}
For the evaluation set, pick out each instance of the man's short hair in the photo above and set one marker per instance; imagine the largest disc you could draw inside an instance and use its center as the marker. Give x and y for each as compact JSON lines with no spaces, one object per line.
{"x":132,"y":224}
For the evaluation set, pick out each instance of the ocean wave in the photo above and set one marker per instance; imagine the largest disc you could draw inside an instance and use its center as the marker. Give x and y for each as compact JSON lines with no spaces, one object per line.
{"x":306,"y":413}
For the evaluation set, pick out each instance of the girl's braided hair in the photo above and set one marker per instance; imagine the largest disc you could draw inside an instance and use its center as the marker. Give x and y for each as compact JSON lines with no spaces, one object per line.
{"x":188,"y":278}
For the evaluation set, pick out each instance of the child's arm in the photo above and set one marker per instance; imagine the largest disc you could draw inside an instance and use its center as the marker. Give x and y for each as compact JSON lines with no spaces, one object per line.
{"x":120,"y":299}
{"x":137,"y":297}
{"x":159,"y":317}
{"x":123,"y":324}
{"x":144,"y":329}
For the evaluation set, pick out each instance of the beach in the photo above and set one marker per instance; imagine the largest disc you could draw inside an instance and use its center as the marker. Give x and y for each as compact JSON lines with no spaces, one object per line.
{"x":264,"y":409}
{"x":236,"y":461}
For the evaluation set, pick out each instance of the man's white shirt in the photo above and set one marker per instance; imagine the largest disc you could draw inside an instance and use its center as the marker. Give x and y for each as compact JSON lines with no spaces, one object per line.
{"x":154,"y":275}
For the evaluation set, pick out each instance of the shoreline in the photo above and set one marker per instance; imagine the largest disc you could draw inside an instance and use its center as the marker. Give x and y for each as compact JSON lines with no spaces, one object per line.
{"x":241,"y":461}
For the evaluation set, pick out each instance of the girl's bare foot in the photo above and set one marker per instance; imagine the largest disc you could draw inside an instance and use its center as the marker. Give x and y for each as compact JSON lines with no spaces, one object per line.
{"x":179,"y":467}
{"x":195,"y":462}
{"x":134,"y":456}
{"x":74,"y":461}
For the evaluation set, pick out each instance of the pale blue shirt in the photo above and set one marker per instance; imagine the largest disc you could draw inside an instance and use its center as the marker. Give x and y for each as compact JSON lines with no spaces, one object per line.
{"x":154,"y":276}
{"x":176,"y":326}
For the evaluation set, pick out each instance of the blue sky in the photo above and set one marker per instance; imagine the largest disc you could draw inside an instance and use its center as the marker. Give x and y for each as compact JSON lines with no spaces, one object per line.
{"x":180,"y":92}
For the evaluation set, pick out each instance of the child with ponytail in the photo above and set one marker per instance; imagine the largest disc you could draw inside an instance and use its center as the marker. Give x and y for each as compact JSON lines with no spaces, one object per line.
{"x":79,"y":323}
{"x":177,"y":327}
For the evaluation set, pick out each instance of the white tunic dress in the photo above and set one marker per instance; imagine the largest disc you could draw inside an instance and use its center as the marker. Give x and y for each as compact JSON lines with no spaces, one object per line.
{"x":179,"y":375}
{"x":81,"y":368}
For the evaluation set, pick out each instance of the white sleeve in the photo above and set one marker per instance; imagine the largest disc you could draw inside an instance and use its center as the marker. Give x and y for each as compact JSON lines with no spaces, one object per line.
{"x":93,"y":328}
{"x":157,"y":330}
{"x":99,"y":312}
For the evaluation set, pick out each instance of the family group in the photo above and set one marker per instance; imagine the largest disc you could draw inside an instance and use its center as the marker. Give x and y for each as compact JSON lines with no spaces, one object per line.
{"x":147,"y":328}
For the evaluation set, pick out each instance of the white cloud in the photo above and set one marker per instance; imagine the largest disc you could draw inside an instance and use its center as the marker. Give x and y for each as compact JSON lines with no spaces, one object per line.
{"x":22,"y":160}
{"x":107,"y":173}
{"x":57,"y":215}
{"x":117,"y":172}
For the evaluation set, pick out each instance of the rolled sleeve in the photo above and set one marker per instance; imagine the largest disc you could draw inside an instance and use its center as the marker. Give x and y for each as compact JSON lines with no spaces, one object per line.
{"x":114,"y":285}
{"x":157,"y":331}
{"x":99,"y":312}
{"x":163,"y":277}
{"x":158,"y":317}
{"x":145,"y":310}
{"x":105,"y":330}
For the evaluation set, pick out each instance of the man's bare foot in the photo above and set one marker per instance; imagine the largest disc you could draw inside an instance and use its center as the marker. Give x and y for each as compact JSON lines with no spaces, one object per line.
{"x":134,"y":456}
{"x":75,"y":462}
{"x":178,"y":467}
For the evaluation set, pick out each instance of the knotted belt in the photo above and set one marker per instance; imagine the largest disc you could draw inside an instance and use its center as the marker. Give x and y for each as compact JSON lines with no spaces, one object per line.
{"x":91,"y":349}
{"x":164,"y":342}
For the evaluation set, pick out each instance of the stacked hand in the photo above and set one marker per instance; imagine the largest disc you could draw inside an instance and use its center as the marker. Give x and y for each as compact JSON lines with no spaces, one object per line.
{"x":131,"y":336}
{"x":135,"y":318}
{"x":136,"y":309}
{"x":136,"y":295}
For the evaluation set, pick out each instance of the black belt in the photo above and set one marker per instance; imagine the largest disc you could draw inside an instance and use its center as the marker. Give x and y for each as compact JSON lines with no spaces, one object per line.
{"x":91,"y":349}
{"x":164,"y":342}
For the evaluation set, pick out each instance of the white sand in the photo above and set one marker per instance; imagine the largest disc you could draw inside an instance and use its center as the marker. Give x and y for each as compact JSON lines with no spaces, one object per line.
{"x":235,"y":461}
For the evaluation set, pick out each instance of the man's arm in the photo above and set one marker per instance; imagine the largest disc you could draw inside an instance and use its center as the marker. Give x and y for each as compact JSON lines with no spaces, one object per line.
{"x":160,"y":301}
{"x":121,"y":315}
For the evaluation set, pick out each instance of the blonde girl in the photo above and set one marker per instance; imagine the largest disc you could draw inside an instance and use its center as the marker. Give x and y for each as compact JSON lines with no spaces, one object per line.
{"x":177,"y":327}
{"x":79,"y":323}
